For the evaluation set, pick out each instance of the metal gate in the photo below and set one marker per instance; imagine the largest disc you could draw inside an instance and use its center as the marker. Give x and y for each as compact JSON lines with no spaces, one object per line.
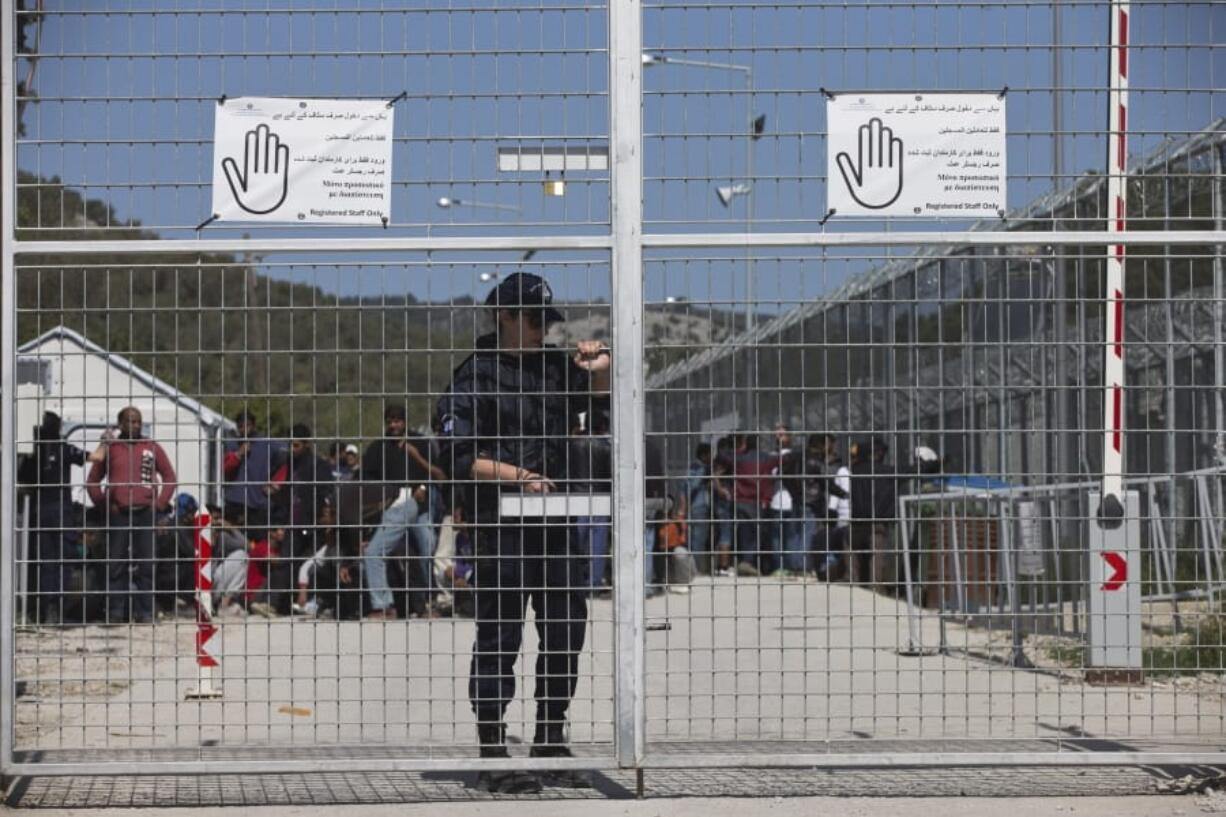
{"x":662,"y":166}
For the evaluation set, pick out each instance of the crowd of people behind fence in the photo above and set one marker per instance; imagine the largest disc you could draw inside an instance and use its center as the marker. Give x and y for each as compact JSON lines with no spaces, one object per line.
{"x":310,"y":529}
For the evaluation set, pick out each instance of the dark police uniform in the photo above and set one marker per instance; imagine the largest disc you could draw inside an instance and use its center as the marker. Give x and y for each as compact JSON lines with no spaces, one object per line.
{"x":518,"y":408}
{"x":48,"y":475}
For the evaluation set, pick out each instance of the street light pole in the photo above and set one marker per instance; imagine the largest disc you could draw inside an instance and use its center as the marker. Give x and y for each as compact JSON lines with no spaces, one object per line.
{"x":751,"y":319}
{"x":746,"y":187}
{"x":446,"y":203}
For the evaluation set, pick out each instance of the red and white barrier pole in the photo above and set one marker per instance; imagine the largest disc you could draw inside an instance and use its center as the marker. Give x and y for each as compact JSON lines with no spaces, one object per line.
{"x":206,"y":661}
{"x":1114,"y":593}
{"x":1117,"y":213}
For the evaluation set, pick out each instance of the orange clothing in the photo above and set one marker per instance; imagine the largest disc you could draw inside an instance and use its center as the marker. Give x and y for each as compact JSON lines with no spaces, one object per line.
{"x":672,"y":534}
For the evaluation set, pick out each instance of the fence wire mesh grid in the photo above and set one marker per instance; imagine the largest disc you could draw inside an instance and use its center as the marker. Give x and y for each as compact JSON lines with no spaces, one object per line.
{"x":796,"y":490}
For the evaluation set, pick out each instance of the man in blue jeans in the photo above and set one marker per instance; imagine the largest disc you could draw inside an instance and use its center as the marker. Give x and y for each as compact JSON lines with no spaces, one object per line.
{"x":753,"y":486}
{"x":698,"y":495}
{"x":398,"y":465}
{"x":133,"y":482}
{"x":787,"y":544}
{"x":591,"y":470}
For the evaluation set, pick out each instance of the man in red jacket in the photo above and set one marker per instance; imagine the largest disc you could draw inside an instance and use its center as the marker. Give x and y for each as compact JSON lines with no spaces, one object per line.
{"x":139,"y":482}
{"x":753,"y":487}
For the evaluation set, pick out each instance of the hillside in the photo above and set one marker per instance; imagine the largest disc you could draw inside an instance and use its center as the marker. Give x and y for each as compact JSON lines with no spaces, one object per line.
{"x":215,"y":327}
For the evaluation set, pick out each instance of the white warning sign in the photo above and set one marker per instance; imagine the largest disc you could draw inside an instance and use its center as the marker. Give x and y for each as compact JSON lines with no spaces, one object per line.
{"x":302,"y":160}
{"x":926,"y":155}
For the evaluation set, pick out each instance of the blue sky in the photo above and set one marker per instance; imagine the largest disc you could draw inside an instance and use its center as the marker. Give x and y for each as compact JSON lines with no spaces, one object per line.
{"x":127,"y":100}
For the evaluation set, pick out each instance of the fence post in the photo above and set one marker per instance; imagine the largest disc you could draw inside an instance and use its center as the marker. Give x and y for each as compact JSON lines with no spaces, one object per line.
{"x":1009,"y":567}
{"x":1114,"y":594}
{"x":1112,"y":508}
{"x":626,"y":177}
{"x":8,"y":380}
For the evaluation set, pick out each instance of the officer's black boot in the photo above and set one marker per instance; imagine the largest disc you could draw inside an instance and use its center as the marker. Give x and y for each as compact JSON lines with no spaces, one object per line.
{"x":550,"y":741}
{"x":493,"y":740}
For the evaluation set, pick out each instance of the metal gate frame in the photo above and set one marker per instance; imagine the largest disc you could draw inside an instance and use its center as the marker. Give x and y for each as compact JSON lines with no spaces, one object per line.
{"x":626,"y":242}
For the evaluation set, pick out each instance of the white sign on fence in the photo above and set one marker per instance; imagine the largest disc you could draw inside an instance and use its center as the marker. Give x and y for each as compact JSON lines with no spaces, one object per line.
{"x":1030,"y":539}
{"x":925,"y":155}
{"x":302,"y":160}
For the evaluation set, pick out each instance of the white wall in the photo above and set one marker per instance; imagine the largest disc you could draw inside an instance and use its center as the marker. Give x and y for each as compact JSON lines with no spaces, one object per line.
{"x":88,"y":393}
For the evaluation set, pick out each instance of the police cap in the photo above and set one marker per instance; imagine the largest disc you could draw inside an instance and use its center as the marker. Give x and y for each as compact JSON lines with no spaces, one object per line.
{"x":523,"y":290}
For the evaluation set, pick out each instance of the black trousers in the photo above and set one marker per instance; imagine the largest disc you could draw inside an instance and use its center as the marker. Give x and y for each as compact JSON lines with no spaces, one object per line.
{"x":129,"y":570}
{"x":515,"y":565}
{"x":56,"y":541}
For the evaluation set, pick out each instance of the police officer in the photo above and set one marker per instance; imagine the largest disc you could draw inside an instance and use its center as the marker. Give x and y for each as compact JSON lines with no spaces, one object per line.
{"x":505,"y":423}
{"x":47,"y":476}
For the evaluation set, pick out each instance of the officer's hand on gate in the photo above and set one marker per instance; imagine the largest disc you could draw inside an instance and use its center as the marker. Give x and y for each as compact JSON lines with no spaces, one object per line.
{"x":592,"y":355}
{"x":537,"y":484}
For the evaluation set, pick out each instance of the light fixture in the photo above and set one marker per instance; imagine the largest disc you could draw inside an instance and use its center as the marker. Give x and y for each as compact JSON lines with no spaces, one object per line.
{"x":727,"y":193}
{"x":554,"y":187}
{"x":650,"y":59}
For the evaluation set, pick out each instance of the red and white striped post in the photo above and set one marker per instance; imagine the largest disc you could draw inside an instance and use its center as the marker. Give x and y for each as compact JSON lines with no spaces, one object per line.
{"x":1114,"y":594}
{"x":1117,"y":203}
{"x":205,"y":629}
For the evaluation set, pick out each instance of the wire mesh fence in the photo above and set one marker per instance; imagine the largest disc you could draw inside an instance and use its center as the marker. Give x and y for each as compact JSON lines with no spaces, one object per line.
{"x":779,"y":485}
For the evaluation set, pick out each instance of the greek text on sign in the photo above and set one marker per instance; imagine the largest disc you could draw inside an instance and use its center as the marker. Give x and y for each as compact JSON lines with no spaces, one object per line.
{"x":302,"y":160}
{"x":925,"y":155}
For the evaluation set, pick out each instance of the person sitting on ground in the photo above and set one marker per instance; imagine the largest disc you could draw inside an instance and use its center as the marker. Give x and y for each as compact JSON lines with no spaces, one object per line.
{"x":753,"y":488}
{"x":722,"y":506}
{"x":265,"y":556}
{"x":674,"y":558}
{"x":324,"y":534}
{"x":698,"y":496}
{"x":175,"y":558}
{"x":230,"y":559}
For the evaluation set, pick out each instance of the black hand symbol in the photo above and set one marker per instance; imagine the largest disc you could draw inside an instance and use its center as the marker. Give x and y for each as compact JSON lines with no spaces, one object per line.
{"x":875,"y":181}
{"x":264,"y":181}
